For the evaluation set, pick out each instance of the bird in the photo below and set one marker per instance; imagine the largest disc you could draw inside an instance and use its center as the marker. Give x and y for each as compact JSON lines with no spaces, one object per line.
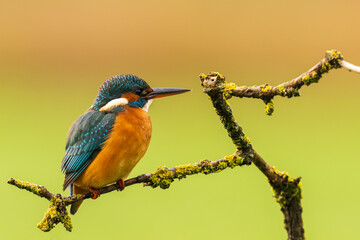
{"x":106,"y":142}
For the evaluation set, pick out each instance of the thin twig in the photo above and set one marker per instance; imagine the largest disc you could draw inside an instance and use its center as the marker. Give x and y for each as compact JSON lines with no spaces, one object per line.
{"x":38,"y":190}
{"x":291,"y":88}
{"x":333,"y":59}
{"x":350,"y":67}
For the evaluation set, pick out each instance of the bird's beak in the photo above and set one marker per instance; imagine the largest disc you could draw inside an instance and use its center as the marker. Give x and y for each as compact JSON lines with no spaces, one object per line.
{"x":164,"y":92}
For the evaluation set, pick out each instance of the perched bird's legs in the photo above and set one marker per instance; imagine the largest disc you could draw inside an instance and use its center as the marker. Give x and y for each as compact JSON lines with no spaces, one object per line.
{"x":121,"y":184}
{"x":95,"y":192}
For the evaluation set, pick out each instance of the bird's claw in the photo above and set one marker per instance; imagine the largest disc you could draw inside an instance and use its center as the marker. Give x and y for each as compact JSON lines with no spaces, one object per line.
{"x":121,"y":184}
{"x":95,"y":192}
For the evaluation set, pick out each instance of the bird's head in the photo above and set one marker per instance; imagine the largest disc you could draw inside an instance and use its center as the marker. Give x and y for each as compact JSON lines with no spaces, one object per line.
{"x":130,"y":90}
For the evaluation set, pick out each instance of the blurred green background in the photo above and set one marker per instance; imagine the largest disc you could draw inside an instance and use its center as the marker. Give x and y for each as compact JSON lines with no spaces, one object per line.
{"x":54,"y":55}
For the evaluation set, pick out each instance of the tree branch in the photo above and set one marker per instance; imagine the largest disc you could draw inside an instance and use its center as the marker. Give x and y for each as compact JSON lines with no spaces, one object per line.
{"x":349,"y":66}
{"x":333,"y":59}
{"x":286,"y":189}
{"x":162,"y":178}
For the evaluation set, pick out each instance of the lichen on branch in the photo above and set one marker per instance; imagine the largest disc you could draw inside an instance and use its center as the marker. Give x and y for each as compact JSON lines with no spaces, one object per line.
{"x":287,"y":191}
{"x":333,"y":60}
{"x":219,"y":90}
{"x":55,"y":214}
{"x":38,"y":190}
{"x":162,"y":178}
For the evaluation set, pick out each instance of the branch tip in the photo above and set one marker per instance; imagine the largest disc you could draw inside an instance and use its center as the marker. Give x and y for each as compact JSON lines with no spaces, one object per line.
{"x":349,"y":66}
{"x":55,"y":214}
{"x":269,"y":108}
{"x":333,"y":60}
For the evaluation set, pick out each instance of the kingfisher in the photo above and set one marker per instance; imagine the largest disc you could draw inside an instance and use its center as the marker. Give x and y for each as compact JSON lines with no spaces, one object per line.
{"x":108,"y":140}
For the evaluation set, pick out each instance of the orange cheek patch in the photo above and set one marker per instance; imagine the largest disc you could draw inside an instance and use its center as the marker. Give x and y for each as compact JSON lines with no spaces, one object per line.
{"x":131,"y":97}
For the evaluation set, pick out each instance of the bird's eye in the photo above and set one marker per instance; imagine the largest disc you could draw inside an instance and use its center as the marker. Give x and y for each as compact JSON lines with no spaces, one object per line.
{"x":144,"y":92}
{"x":141,"y":93}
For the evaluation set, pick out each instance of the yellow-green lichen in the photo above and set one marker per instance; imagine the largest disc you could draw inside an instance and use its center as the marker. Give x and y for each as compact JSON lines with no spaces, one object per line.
{"x":269,"y":108}
{"x":325,"y":67}
{"x":55,"y":214}
{"x":281,"y":89}
{"x":229,"y":161}
{"x":234,"y":160}
{"x":230,"y":125}
{"x":67,"y":223}
{"x":44,"y":226}
{"x":288,"y":92}
{"x":266,"y":88}
{"x":202,"y":76}
{"x":228,"y":88}
{"x":36,"y":189}
{"x":314,"y":77}
{"x":162,"y":177}
{"x":306,"y":79}
{"x":206,"y":167}
{"x":288,"y":190}
{"x":184,"y":170}
{"x":221,"y":166}
{"x":333,"y":58}
{"x":219,"y":91}
{"x":333,"y":55}
{"x":247,"y":139}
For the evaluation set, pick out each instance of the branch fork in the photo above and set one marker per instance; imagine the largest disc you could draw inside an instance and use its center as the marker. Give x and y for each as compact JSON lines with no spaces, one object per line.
{"x":287,"y":190}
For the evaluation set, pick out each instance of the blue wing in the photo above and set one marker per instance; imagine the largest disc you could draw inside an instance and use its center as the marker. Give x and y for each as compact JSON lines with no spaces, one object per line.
{"x":85,"y":140}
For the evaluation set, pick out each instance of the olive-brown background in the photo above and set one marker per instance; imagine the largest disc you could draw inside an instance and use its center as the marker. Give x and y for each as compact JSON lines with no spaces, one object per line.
{"x":54,"y":55}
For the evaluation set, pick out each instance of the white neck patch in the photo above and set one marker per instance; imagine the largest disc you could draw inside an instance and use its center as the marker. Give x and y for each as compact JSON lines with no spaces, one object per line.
{"x":147,"y":105}
{"x":114,"y":103}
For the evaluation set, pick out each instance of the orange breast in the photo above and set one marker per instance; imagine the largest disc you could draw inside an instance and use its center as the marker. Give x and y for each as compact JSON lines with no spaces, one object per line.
{"x":126,"y":145}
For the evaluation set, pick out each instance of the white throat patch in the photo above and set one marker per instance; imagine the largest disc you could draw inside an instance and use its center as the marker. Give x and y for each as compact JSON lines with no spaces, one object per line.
{"x":147,"y":105}
{"x":114,"y":103}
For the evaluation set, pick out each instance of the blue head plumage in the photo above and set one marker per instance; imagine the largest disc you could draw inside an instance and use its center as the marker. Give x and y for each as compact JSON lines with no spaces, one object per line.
{"x":116,"y":86}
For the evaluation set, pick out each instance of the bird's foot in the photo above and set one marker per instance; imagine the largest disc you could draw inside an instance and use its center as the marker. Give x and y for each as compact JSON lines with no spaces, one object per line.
{"x":95,"y":192}
{"x":121,"y":184}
